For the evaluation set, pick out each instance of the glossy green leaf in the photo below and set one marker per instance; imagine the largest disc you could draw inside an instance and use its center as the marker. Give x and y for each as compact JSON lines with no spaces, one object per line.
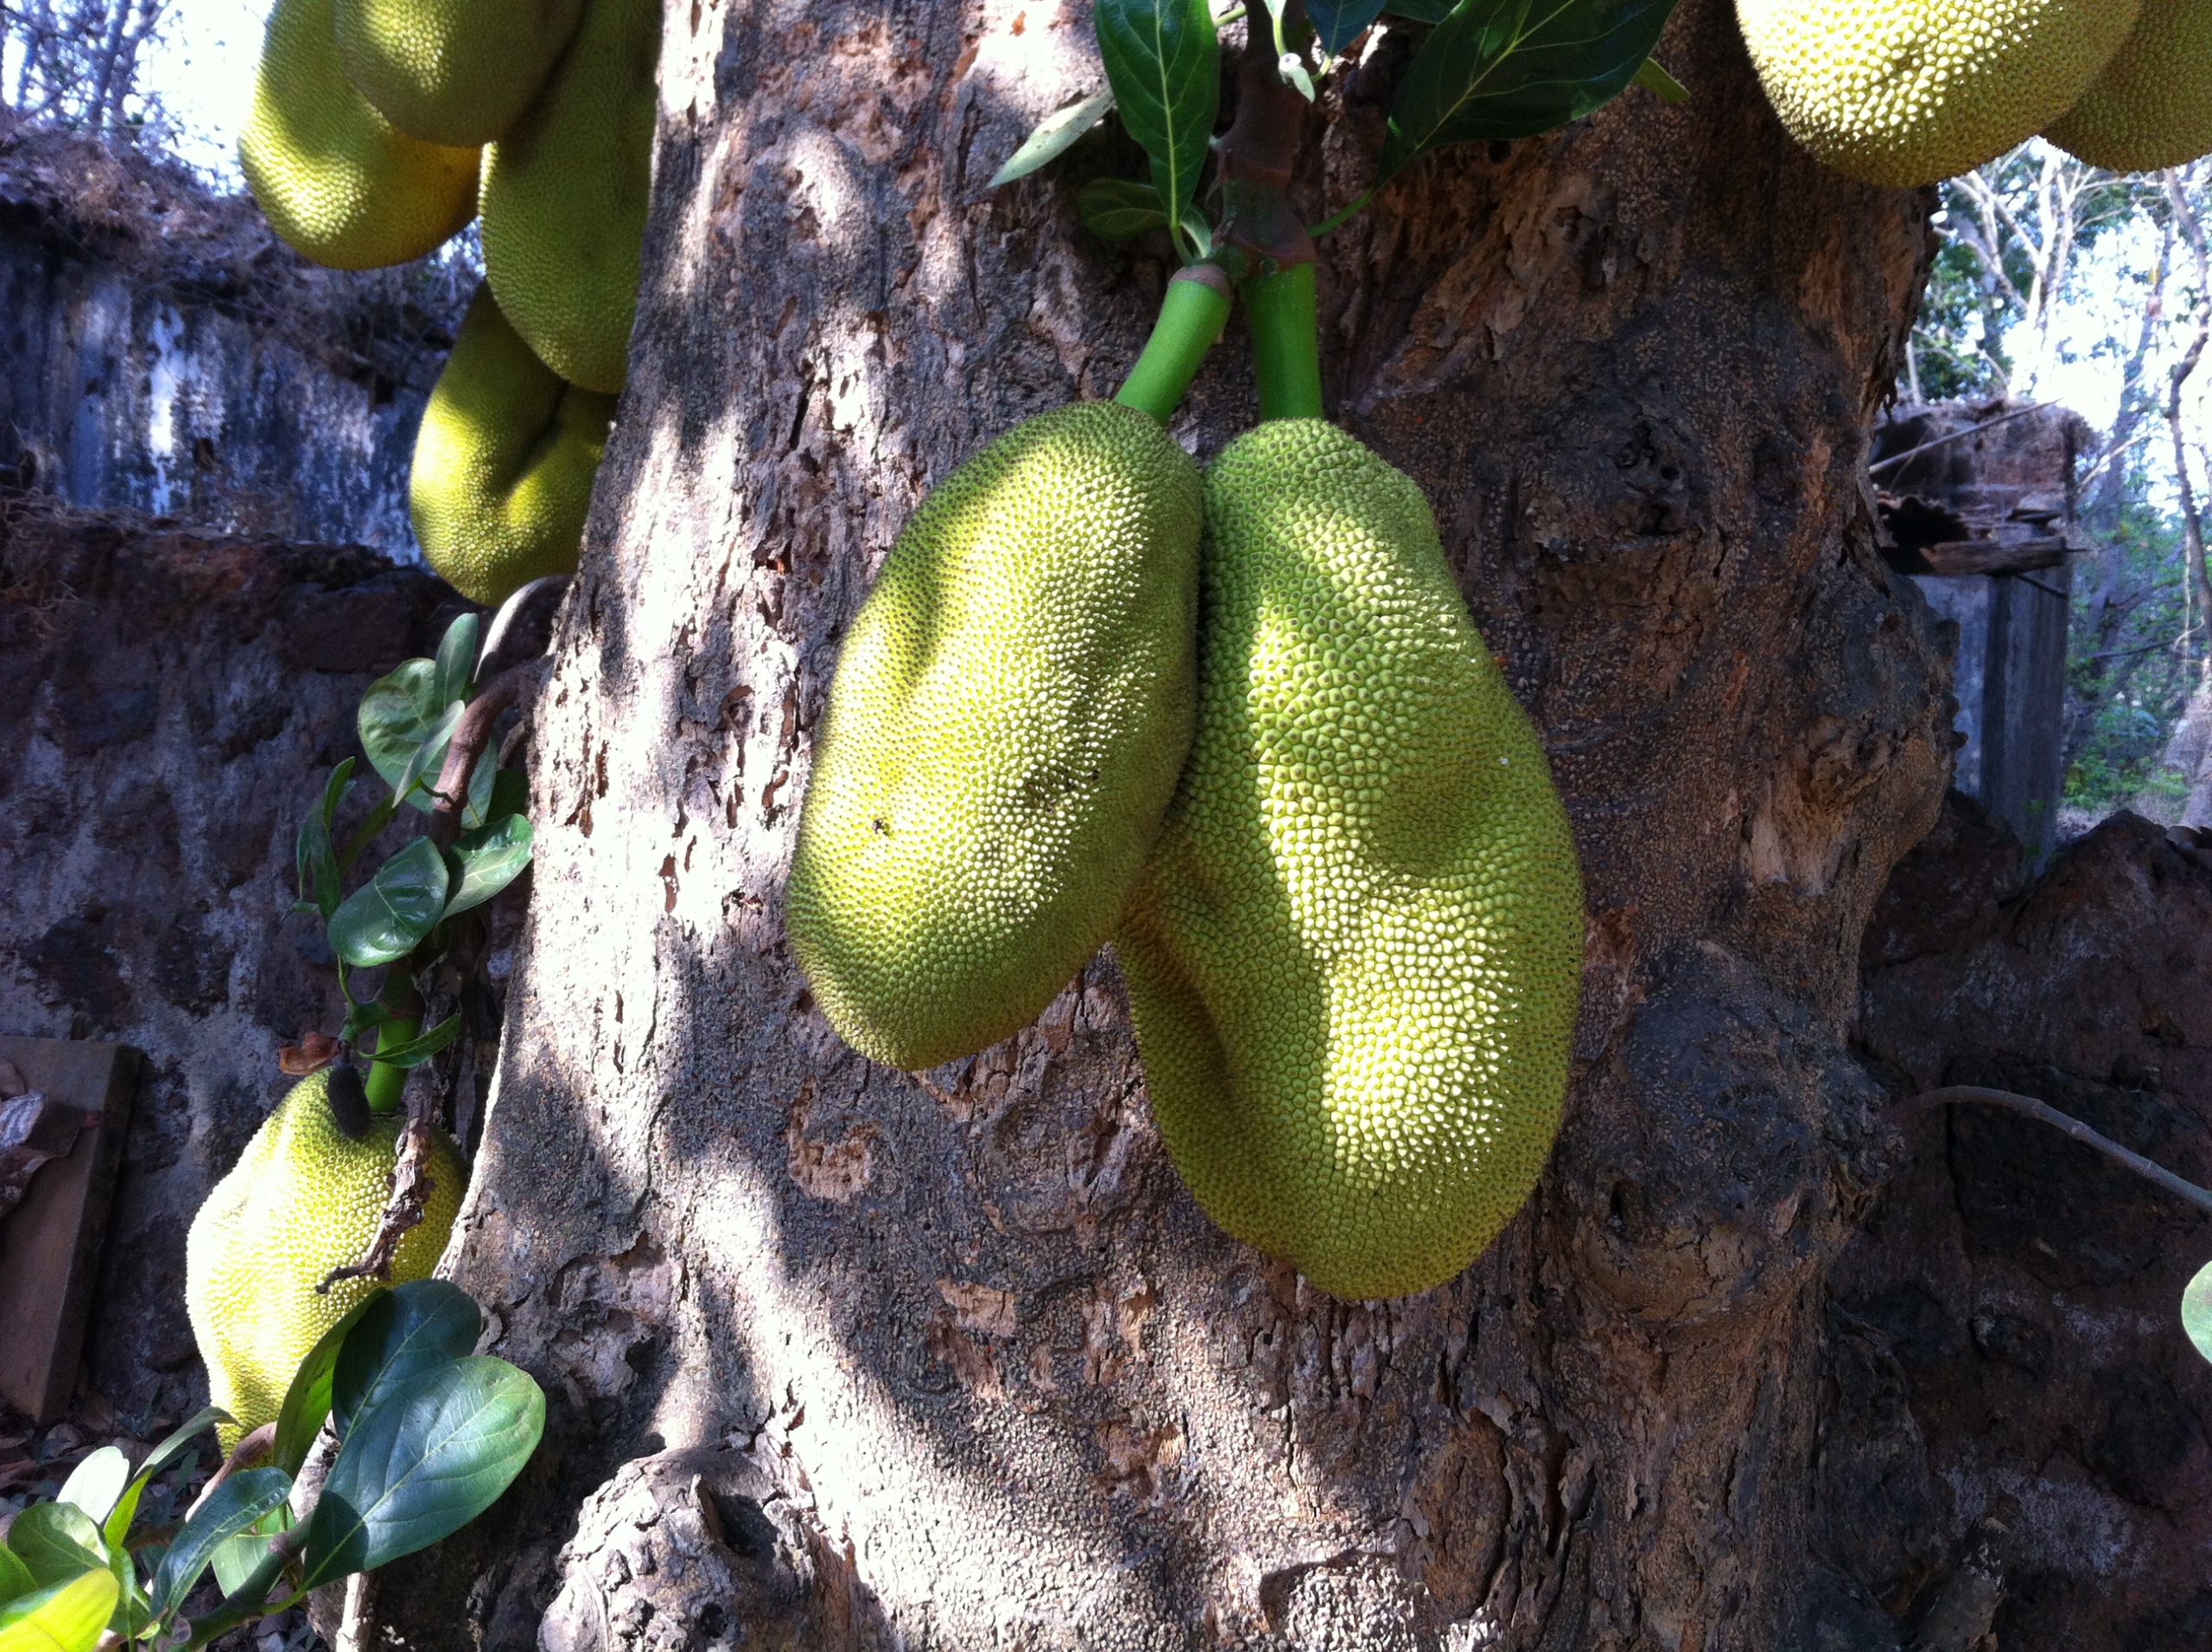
{"x":2197,"y":1309}
{"x":416,"y":786}
{"x":454,"y":669}
{"x":95,"y":1484}
{"x":396,"y":716}
{"x":307,"y":1401}
{"x":316,"y":864}
{"x":411,"y":1331}
{"x":1336,"y":23}
{"x":490,"y":858}
{"x":386,"y":916}
{"x":422,"y":1462}
{"x":1163,"y":64}
{"x":1114,"y":209}
{"x":55,"y":1541}
{"x":14,"y":1577}
{"x":67,"y":1616}
{"x":1512,"y":68}
{"x":413,"y":1053}
{"x":1654,"y":79}
{"x":1053,"y":137}
{"x":116,"y":1528}
{"x":230,"y":1509}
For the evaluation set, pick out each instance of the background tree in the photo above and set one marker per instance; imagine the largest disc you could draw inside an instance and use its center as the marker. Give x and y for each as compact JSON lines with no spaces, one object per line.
{"x":75,"y":63}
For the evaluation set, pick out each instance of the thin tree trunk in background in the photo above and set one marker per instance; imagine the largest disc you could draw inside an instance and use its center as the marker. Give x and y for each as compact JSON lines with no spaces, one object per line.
{"x":842,"y":1357}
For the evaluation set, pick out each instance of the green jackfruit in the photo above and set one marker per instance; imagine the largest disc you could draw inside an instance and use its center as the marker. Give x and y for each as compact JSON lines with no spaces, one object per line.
{"x":1012,"y":707}
{"x":452,"y":71}
{"x":1913,"y":91}
{"x":331,"y":174}
{"x":2153,"y":105}
{"x":564,"y":197}
{"x":303,"y":1199}
{"x":504,"y":463}
{"x":1354,"y":957}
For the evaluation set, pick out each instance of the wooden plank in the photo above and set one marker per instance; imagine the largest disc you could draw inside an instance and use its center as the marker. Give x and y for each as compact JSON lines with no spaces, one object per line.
{"x":1959,"y":557}
{"x":50,"y":1242}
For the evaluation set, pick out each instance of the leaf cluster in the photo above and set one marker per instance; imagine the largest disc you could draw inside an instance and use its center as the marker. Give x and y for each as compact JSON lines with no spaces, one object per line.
{"x":428,"y":1434}
{"x":1484,"y":70}
{"x":400,"y":911}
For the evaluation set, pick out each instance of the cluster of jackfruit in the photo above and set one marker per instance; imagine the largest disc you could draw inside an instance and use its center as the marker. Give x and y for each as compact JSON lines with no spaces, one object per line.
{"x":1244,"y":727}
{"x":304,"y":1198}
{"x":379,"y":127}
{"x":1913,"y":91}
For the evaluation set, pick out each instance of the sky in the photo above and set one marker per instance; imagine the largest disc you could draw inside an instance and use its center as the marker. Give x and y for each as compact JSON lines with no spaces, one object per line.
{"x":203,"y":68}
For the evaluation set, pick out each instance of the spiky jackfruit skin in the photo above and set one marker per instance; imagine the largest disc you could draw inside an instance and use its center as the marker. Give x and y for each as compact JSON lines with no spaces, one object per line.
{"x":504,"y":463}
{"x":1913,"y":91}
{"x":333,"y":176}
{"x":457,"y":72}
{"x":1009,"y":714}
{"x":564,"y":197}
{"x":1354,"y":957}
{"x":2153,"y":105}
{"x":301,"y":1200}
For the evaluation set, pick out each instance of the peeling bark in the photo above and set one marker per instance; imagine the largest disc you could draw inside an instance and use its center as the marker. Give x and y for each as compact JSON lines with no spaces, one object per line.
{"x":958,"y":1349}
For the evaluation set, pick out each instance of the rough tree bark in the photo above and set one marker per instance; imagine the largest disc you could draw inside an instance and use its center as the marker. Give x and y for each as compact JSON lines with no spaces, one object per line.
{"x":844,"y":1358}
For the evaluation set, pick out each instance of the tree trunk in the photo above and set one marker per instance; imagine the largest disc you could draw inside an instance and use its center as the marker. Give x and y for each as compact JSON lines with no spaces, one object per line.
{"x":841,"y":1357}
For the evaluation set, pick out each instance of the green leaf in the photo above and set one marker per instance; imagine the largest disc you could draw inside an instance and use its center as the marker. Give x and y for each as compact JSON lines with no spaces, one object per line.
{"x":416,"y":783}
{"x":1339,"y":23}
{"x":1512,"y":68}
{"x":1419,"y":11}
{"x":413,"y":1053}
{"x":307,"y":1401}
{"x":95,"y":1484}
{"x":1114,"y":209}
{"x":117,"y":1526}
{"x":418,"y":1465}
{"x":1053,"y":137}
{"x":388,"y":916}
{"x":14,"y":1577}
{"x":2197,"y":1309}
{"x":1654,"y":79}
{"x":396,"y":716}
{"x":237,"y":1558}
{"x":483,"y":782}
{"x":55,"y":1541}
{"x":231,"y":1509}
{"x":490,"y":858}
{"x":455,"y":666}
{"x":1163,"y":62}
{"x":412,"y":1330}
{"x":316,"y":860}
{"x":68,"y":1616}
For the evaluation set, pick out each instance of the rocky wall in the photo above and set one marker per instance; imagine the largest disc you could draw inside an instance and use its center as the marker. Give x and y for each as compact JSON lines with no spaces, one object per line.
{"x":161,"y":351}
{"x":169,"y":701}
{"x":2005,"y":1337}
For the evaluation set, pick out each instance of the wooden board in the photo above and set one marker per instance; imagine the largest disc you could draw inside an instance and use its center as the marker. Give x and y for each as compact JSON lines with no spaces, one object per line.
{"x":50,"y":1242}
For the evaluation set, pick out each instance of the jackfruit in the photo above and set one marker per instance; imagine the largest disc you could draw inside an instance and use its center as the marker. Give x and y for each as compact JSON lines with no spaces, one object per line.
{"x":331,"y":175}
{"x":1012,"y":707}
{"x":564,"y":197}
{"x":452,"y":71}
{"x":2153,"y":105}
{"x":504,"y":463}
{"x":1354,"y":957}
{"x":301,"y":1200}
{"x":1913,"y":91}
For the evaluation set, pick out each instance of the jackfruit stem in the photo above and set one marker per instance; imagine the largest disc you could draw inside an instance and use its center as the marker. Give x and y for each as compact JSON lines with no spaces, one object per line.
{"x":1191,"y":317}
{"x":385,"y":1083}
{"x":1279,"y":307}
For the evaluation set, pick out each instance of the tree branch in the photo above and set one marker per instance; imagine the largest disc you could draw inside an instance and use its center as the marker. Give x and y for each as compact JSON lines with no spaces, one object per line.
{"x":2066,"y":1124}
